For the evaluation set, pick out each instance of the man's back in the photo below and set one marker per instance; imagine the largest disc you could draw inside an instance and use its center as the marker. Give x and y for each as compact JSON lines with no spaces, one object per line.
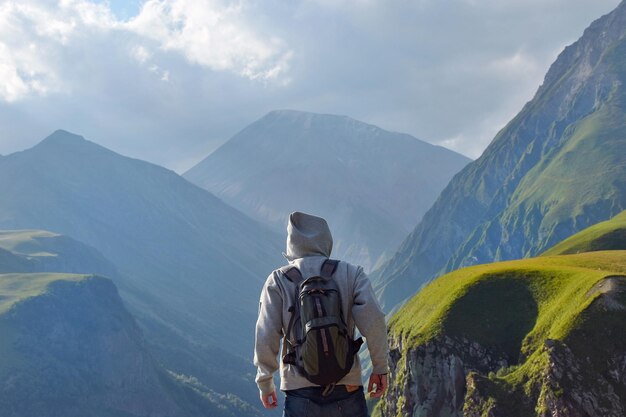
{"x":309,"y":244}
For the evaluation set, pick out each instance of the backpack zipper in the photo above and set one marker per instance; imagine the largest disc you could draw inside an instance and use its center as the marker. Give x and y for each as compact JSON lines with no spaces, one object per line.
{"x":319,"y":312}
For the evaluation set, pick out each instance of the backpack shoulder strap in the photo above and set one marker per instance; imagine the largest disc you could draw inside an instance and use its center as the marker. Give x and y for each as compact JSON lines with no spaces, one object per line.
{"x":328,"y":268}
{"x":293,"y":274}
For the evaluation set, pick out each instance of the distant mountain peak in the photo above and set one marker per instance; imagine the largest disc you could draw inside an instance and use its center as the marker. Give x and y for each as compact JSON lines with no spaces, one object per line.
{"x":298,"y":117}
{"x":302,"y":114}
{"x":370,"y":184}
{"x":63,"y":137}
{"x":62,"y":142}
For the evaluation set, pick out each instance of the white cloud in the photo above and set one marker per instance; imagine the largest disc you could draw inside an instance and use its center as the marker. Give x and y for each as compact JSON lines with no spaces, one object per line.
{"x":36,"y":35}
{"x":32,"y":35}
{"x":213,"y":35}
{"x":518,"y":64}
{"x":141,"y":54}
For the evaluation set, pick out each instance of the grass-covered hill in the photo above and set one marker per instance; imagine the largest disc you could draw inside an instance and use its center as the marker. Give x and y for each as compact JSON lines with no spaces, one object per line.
{"x":43,"y":251}
{"x":69,"y":348}
{"x":518,"y":338}
{"x":608,"y":235}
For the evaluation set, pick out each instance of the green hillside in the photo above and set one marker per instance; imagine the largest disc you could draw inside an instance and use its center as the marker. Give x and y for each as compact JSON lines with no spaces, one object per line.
{"x":25,"y":242}
{"x":515,"y":309}
{"x":608,"y":235}
{"x":13,"y":289}
{"x":471,"y":302}
{"x":43,"y":251}
{"x":69,"y":348}
{"x":18,"y":287}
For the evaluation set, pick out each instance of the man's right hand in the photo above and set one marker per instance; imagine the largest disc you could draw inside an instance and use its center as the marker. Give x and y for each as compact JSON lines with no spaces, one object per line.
{"x":269,"y":401}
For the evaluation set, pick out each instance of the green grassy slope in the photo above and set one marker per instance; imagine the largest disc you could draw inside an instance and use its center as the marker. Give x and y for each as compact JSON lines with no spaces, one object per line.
{"x":514,"y":307}
{"x":18,"y":287}
{"x":25,"y":242}
{"x":42,"y":251}
{"x":69,"y":348}
{"x":608,"y":235}
{"x":469,"y":302}
{"x":15,"y":288}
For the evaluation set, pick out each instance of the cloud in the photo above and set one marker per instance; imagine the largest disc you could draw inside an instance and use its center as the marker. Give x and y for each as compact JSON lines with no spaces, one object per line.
{"x":213,"y":35}
{"x":35,"y":34}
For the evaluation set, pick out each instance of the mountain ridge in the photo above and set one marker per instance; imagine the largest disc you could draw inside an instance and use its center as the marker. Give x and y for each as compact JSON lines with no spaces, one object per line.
{"x":518,"y":199}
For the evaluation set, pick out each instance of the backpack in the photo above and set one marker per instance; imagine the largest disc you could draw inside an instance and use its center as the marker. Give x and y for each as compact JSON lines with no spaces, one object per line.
{"x":318,"y":343}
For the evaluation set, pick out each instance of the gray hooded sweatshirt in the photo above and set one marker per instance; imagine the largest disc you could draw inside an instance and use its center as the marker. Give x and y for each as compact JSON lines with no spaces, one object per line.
{"x":309,"y":244}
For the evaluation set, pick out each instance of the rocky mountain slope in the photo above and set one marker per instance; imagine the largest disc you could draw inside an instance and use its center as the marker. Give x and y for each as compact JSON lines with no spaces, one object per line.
{"x":535,"y":337}
{"x":190,"y":267}
{"x":372,"y":185}
{"x":555,"y":169}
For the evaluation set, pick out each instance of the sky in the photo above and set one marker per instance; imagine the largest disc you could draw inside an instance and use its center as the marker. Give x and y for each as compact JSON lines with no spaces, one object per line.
{"x":170,"y":81}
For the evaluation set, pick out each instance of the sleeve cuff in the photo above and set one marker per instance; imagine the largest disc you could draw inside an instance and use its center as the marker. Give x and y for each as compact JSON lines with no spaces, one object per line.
{"x":266,"y":387}
{"x":378,"y":370}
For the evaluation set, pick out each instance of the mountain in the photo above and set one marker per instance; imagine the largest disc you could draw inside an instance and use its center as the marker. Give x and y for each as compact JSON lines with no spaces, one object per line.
{"x":190,"y":267}
{"x":535,"y":337}
{"x":608,"y":235}
{"x":70,"y":348}
{"x":555,"y":169}
{"x":371,"y":185}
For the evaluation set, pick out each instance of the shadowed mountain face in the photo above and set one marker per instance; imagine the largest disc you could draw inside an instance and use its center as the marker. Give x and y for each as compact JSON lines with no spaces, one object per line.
{"x":556,"y":168}
{"x":70,"y":349}
{"x":190,"y":267}
{"x":371,"y":185}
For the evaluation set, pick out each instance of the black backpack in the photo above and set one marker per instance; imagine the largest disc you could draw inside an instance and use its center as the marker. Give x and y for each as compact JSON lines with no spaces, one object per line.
{"x":318,"y":343}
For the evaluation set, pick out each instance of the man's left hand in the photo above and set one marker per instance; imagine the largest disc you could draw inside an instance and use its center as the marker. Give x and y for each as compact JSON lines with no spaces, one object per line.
{"x":269,"y":401}
{"x":377,"y":386}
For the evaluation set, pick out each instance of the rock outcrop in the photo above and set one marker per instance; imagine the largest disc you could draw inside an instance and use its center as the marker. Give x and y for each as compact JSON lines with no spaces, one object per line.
{"x":434,"y":376}
{"x":455,"y":378}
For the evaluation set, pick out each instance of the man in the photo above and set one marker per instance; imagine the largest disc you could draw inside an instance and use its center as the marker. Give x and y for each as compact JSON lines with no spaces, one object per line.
{"x":309,"y":244}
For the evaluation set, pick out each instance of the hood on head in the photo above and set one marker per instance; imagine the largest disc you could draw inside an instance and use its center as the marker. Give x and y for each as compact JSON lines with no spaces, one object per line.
{"x":307,"y":235}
